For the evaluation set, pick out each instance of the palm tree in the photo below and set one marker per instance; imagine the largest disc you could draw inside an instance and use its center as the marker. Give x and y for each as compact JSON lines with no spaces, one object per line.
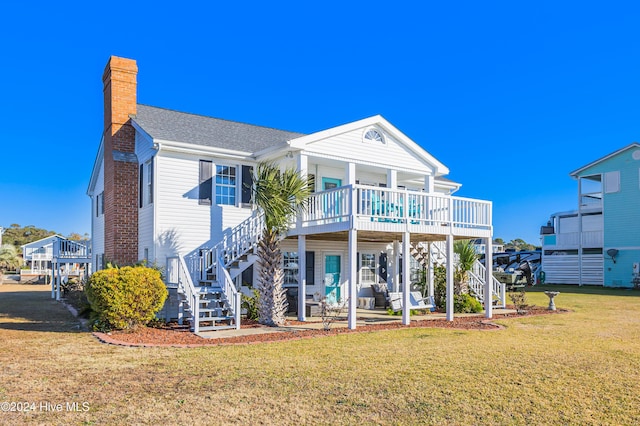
{"x":9,"y":259}
{"x":466,"y":251}
{"x":281,"y":195}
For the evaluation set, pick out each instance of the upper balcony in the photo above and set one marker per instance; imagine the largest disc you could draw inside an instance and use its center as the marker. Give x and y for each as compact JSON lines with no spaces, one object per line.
{"x":377,"y":209}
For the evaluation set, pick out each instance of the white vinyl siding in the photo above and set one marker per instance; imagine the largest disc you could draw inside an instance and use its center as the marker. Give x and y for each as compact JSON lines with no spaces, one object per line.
{"x":349,"y":146}
{"x":182,"y":223}
{"x":97,"y":222}
{"x":563,"y":269}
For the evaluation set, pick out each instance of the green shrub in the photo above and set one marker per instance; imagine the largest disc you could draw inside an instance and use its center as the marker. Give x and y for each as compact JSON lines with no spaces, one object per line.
{"x":466,"y":304}
{"x":250,"y":304}
{"x":519,"y":299}
{"x":123,"y":298}
{"x":440,"y":286}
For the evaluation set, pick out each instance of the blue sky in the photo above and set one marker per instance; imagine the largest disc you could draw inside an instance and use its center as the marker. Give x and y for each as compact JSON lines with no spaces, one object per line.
{"x":511,"y":96}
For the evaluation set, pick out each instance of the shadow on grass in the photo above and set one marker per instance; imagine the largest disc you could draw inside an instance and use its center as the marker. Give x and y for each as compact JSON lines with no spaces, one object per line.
{"x":34,"y":310}
{"x":585,"y":289}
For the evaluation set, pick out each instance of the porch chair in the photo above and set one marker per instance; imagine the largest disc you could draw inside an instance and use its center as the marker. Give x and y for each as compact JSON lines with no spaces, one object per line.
{"x":380,"y":292}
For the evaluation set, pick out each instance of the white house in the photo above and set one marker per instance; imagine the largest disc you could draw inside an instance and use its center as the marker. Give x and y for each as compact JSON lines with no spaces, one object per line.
{"x":174,"y":189}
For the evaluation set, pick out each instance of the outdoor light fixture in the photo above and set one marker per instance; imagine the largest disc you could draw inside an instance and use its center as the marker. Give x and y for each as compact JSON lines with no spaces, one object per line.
{"x":612,"y":253}
{"x":289,"y":154}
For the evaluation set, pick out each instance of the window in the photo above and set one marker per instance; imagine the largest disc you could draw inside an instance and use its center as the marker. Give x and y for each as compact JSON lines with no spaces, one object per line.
{"x":226,"y":185}
{"x":204,"y":186}
{"x":100,"y":204}
{"x":290,"y":268}
{"x":146,"y":183}
{"x":612,"y":182}
{"x":367,"y":268}
{"x":373,"y":135}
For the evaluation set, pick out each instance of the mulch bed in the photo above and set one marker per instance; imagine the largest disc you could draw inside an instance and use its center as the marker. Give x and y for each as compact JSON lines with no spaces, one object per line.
{"x":180,"y":336}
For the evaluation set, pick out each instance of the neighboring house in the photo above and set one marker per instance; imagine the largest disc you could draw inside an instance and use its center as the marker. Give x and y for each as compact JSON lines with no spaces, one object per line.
{"x":55,"y":256}
{"x":599,"y":243}
{"x":174,"y":189}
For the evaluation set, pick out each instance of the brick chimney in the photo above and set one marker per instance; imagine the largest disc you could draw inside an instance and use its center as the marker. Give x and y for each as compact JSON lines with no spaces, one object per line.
{"x":120,"y":162}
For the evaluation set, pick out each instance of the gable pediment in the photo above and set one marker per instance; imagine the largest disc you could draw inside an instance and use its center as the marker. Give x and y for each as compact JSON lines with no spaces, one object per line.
{"x":372,"y":141}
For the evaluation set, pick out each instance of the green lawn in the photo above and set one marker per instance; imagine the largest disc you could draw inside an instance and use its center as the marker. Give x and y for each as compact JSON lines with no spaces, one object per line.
{"x":575,"y":368}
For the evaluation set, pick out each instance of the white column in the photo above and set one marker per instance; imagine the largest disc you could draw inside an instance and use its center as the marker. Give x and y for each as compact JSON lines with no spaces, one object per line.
{"x":488,"y":285}
{"x":396,"y":266}
{"x":392,"y":178}
{"x":353,"y":273}
{"x":406,"y":280}
{"x":350,"y":174}
{"x":428,"y":184}
{"x":302,"y":163}
{"x":449,"y":307}
{"x":53,"y":281}
{"x":302,"y":277}
{"x":59,"y":281}
{"x":430,"y":275}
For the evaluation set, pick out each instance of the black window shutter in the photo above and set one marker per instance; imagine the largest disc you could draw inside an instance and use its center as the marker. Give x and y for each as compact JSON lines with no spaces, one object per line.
{"x":382,"y":269}
{"x":310,"y":267}
{"x":140,"y":186}
{"x":247,"y":184}
{"x":205,"y":182}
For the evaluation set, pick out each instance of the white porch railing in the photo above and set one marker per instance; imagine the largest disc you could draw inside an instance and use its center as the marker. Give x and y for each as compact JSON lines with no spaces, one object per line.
{"x":571,"y":239}
{"x":68,"y":249}
{"x":396,"y":206}
{"x":178,"y":275}
{"x":48,"y":255}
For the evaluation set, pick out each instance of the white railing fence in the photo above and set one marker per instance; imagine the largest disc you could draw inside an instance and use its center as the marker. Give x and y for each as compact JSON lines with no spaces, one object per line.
{"x":71,"y":249}
{"x":396,"y":206}
{"x":178,"y":275}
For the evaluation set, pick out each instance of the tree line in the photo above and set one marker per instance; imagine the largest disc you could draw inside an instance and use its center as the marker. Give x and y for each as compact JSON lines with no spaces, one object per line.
{"x":517,"y":245}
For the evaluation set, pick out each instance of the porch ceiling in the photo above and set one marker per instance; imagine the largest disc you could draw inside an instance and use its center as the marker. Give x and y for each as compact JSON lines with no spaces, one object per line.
{"x":374,"y":237}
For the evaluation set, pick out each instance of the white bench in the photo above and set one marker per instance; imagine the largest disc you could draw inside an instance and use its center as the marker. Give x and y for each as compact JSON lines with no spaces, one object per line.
{"x":416,"y":301}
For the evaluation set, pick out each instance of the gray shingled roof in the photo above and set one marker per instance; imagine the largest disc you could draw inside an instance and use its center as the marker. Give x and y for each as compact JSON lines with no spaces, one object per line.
{"x":176,"y":126}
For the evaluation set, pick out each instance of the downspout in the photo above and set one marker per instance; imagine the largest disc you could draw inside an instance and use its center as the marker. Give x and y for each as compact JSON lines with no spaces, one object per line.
{"x":157,"y":146}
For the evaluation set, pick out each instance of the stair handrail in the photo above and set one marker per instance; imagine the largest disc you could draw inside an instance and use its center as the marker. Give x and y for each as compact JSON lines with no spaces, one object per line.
{"x":498,"y":289}
{"x":476,"y":284}
{"x":478,"y":270}
{"x":233,"y":296}
{"x":191,"y":293}
{"x":235,"y":243}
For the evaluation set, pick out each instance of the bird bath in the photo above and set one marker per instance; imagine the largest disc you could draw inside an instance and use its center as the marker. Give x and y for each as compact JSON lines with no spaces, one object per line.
{"x":551,"y":295}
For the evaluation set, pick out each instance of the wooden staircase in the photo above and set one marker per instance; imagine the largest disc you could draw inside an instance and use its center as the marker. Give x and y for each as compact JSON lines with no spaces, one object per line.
{"x":215,"y":303}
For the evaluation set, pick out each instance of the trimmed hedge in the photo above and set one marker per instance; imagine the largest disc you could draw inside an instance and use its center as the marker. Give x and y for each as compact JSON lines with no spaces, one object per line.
{"x":123,"y":298}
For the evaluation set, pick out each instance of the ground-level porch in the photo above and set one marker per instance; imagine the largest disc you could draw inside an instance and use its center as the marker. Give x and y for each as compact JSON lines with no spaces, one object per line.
{"x":346,"y":266}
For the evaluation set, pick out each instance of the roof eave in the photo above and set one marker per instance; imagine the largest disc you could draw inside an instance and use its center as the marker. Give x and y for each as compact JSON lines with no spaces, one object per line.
{"x":96,"y":168}
{"x":574,"y":174}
